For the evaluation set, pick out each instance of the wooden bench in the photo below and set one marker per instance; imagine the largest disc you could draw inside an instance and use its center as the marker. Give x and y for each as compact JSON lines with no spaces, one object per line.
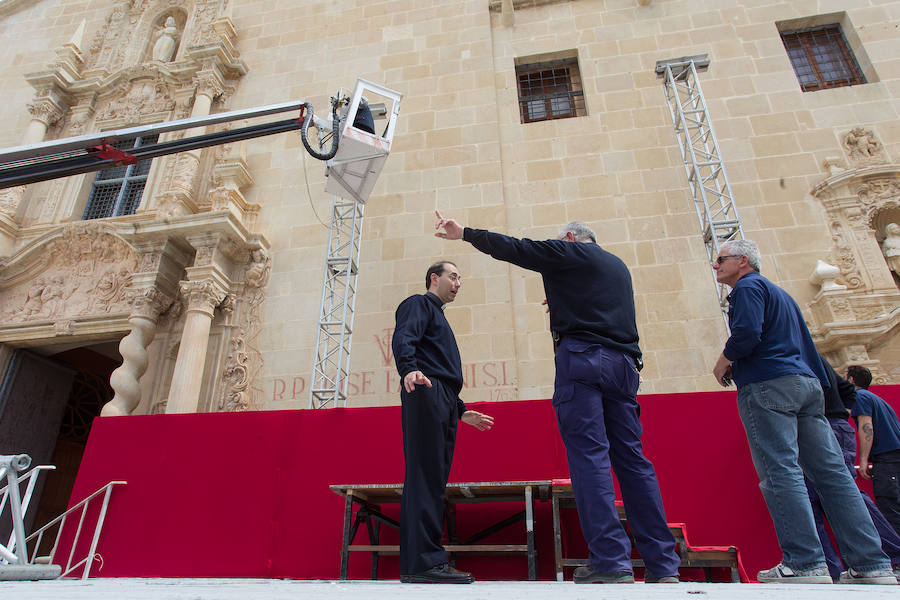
{"x":369,"y":498}
{"x":704,"y":557}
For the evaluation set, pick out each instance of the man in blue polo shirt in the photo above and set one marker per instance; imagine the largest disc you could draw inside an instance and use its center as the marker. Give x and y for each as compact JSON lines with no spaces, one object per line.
{"x":771,"y":358}
{"x":879,"y":443}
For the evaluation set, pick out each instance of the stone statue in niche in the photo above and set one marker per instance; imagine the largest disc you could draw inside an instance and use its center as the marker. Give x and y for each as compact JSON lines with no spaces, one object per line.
{"x":890,"y":247}
{"x":164,"y":48}
{"x":862,"y":145}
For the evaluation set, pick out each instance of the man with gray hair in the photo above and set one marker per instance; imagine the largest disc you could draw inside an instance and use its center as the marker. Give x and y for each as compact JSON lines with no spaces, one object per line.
{"x":771,"y":357}
{"x":592,"y":318}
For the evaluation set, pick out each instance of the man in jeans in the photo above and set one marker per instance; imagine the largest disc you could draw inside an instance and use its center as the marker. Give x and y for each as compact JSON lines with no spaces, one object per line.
{"x":771,"y":358}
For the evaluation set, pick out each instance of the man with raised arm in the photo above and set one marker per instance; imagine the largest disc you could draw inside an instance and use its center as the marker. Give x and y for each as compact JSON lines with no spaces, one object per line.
{"x":428,"y":361}
{"x":592,"y":319}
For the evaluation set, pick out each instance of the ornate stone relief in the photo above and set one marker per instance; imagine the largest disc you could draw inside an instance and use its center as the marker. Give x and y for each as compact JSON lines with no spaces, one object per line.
{"x":138,"y":98}
{"x":83,"y":271}
{"x":245,"y":360}
{"x":861,"y":203}
{"x":862,"y":146}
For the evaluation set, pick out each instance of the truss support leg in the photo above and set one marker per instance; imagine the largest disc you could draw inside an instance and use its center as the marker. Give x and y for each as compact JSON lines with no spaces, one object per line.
{"x":328,"y":387}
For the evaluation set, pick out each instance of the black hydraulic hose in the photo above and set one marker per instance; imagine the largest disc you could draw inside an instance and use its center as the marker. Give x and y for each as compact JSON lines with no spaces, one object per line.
{"x":335,"y":131}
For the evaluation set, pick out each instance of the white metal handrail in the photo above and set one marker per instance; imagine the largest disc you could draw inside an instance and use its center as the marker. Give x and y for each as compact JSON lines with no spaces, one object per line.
{"x":32,"y":477}
{"x":60,"y":521}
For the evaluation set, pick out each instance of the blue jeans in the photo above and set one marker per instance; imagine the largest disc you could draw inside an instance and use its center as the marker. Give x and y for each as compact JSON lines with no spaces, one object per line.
{"x":599,"y":421}
{"x":789,"y":437}
{"x":890,"y":541}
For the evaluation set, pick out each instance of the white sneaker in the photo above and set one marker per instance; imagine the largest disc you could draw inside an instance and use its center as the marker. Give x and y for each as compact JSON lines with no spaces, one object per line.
{"x":877,"y":577}
{"x":782,"y":573}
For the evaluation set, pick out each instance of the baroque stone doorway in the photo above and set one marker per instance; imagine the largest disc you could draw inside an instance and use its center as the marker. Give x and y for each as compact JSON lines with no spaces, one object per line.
{"x":51,"y":396}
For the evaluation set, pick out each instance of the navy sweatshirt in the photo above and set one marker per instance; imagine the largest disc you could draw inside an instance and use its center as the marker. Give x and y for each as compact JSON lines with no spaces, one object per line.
{"x":588,"y":290}
{"x":768,"y":335}
{"x":423,"y":341}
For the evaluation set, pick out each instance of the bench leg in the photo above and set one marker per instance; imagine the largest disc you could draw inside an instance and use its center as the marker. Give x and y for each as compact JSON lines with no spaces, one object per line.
{"x":452,"y":537}
{"x":345,"y":542}
{"x":557,"y":538}
{"x":374,"y":528}
{"x":529,"y":533}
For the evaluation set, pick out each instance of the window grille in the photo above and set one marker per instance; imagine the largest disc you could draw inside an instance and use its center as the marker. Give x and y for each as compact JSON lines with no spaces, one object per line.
{"x":117,"y":190}
{"x":550,"y":90}
{"x":822,"y":58}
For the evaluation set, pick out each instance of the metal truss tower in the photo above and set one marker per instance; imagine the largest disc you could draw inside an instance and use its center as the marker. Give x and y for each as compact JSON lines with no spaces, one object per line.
{"x":711,"y":192}
{"x":335,"y":332}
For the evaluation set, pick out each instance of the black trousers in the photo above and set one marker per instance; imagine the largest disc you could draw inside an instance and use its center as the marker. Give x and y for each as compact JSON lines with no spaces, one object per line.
{"x":429,"y":417}
{"x":886,"y":489}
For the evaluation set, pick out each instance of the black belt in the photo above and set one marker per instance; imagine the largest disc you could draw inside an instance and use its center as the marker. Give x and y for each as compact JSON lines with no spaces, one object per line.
{"x":557,"y":338}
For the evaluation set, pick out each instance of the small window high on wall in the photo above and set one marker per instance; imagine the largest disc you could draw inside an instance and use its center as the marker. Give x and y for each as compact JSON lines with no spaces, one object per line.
{"x":549,"y":89}
{"x":822,"y":58}
{"x":117,"y":190}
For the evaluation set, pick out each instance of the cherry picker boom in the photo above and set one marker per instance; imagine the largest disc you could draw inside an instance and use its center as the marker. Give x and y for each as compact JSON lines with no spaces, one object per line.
{"x":354,"y":168}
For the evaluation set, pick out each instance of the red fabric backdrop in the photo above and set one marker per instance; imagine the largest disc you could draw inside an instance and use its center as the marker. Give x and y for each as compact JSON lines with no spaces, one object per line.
{"x":246,"y":494}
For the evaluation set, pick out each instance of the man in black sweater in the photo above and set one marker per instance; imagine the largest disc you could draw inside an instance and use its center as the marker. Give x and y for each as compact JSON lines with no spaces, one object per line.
{"x":427,"y":359}
{"x":592,"y":318}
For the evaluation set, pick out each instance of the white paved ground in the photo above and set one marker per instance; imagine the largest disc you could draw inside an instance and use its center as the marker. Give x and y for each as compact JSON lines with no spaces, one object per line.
{"x":273,"y":589}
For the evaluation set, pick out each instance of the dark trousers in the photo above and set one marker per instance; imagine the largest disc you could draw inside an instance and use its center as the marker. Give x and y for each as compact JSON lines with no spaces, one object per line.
{"x":890,"y":541}
{"x":429,"y":418}
{"x":886,"y":487}
{"x":599,"y":420}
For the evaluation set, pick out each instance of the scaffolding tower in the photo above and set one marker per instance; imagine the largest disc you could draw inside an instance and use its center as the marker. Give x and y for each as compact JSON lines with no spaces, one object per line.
{"x":335,"y":332}
{"x":703,"y":165}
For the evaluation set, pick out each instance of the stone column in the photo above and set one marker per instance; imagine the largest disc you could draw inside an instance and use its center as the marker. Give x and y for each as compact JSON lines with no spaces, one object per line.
{"x":147,"y":304}
{"x":202,"y":298}
{"x":182,"y":193}
{"x":45,"y":111}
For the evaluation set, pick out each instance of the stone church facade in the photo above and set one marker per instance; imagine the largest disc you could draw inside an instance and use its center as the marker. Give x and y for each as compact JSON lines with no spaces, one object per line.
{"x":204,"y":290}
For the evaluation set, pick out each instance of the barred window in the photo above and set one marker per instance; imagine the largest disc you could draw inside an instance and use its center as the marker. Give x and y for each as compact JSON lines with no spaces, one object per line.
{"x":117,"y":190}
{"x":822,"y":58}
{"x":550,"y":90}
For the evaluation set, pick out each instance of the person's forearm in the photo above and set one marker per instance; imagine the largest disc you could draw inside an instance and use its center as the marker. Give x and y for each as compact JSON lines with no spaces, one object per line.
{"x":866,"y":440}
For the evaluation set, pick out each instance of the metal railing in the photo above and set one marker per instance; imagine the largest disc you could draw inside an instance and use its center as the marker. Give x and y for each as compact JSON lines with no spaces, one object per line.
{"x":31,"y":477}
{"x":60,"y":523}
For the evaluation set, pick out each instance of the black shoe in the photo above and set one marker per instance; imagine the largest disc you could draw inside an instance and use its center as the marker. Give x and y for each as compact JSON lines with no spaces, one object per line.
{"x":589,"y":575}
{"x":651,"y":578}
{"x":442,"y":573}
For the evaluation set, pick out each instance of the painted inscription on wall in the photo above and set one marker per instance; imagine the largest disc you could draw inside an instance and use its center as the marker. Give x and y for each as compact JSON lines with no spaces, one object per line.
{"x":493,"y":379}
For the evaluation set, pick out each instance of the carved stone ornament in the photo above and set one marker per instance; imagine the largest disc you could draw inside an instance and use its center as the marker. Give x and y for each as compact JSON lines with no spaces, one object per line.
{"x":878,"y":190}
{"x":245,"y":360}
{"x":823,"y":275}
{"x":46,"y":111}
{"x":203,"y":296}
{"x":236,"y":378}
{"x":148,"y":302}
{"x":83,"y":271}
{"x":141,"y":97}
{"x":862,"y":146}
{"x":10,"y":199}
{"x":890,"y":247}
{"x":860,"y":201}
{"x":167,"y":42}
